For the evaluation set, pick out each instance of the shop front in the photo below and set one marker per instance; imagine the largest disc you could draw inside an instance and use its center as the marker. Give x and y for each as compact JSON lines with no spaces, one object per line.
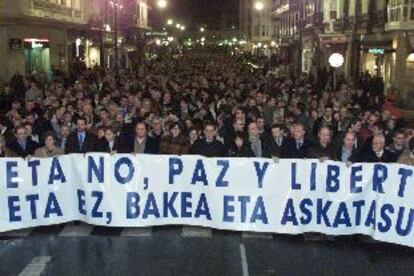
{"x":32,"y":49}
{"x":36,"y":55}
{"x":377,"y":59}
{"x":333,"y":44}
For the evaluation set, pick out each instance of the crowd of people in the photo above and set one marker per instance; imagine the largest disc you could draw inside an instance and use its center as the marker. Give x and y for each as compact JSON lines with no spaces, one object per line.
{"x":210,"y":104}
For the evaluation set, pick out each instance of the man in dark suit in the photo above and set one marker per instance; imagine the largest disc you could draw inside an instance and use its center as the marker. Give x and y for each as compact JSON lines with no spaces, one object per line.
{"x":347,"y":152}
{"x":275,"y":145}
{"x":110,"y":143}
{"x":21,"y":144}
{"x":354,"y":128}
{"x":323,"y":149}
{"x":377,"y":152}
{"x":209,"y":146}
{"x":81,"y":141}
{"x":298,"y":146}
{"x":138,"y":142}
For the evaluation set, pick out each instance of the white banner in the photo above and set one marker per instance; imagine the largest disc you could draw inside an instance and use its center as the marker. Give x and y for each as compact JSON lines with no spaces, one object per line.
{"x":292,"y":196}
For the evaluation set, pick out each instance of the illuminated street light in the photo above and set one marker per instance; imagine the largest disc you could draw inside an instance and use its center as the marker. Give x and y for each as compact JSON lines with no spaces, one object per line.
{"x":170,"y":22}
{"x":178,"y":26}
{"x":203,"y":39}
{"x":202,"y":29}
{"x":182,"y":28}
{"x":259,"y":6}
{"x":162,"y":4}
{"x":336,"y":60}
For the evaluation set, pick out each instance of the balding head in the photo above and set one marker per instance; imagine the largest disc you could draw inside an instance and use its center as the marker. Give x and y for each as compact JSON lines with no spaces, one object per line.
{"x":378,"y":143}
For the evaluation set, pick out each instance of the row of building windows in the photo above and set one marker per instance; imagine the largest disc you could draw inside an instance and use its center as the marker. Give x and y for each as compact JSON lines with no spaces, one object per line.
{"x":74,"y":4}
{"x":265,"y":30}
{"x":400,"y":10}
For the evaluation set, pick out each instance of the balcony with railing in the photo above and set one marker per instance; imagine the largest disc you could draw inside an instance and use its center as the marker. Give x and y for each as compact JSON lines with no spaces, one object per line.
{"x":312,"y":20}
{"x":280,"y":7}
{"x":46,"y":8}
{"x":400,"y":15}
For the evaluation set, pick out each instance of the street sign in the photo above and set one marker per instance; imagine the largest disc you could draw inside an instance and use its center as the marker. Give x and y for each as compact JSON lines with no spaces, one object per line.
{"x":376,"y":51}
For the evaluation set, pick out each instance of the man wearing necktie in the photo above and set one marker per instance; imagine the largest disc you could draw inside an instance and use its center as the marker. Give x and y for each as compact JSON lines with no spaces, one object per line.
{"x":81,"y":141}
{"x":298,"y":146}
{"x":22,"y":145}
{"x":275,"y":146}
{"x":377,"y":152}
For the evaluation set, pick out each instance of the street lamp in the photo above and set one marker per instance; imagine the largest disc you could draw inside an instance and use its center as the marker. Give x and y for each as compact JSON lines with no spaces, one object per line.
{"x":202,"y":29}
{"x":162,"y":4}
{"x":115,"y":5}
{"x":178,"y":25}
{"x":336,"y":60}
{"x":170,"y":22}
{"x":259,"y":6}
{"x":182,"y":28}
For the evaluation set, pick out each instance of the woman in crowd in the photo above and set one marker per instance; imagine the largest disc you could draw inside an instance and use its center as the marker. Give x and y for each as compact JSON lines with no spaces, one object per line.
{"x":50,"y":149}
{"x":175,"y":142}
{"x":193,"y":135}
{"x":240,"y":148}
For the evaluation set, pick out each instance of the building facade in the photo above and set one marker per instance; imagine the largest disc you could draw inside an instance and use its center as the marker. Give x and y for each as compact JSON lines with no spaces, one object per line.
{"x":35,"y":34}
{"x":373,"y":36}
{"x":41,"y":35}
{"x":256,"y":26}
{"x":285,"y":15}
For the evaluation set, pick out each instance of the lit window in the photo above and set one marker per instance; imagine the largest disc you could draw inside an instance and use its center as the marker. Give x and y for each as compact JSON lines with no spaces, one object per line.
{"x":333,"y":10}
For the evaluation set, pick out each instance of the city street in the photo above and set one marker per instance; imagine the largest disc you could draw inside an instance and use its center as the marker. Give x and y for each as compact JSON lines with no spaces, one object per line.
{"x":285,"y":126}
{"x":84,"y":250}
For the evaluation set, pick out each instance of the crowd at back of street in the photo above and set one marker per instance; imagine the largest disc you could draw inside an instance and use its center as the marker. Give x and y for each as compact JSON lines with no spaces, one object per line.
{"x":204,"y":103}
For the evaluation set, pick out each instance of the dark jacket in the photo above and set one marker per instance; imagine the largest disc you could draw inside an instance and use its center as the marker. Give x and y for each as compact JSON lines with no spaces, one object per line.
{"x":244,"y":151}
{"x":293,"y":152}
{"x":228,"y":136}
{"x":213,"y":149}
{"x":369,"y":156}
{"x":170,"y":145}
{"x":352,"y":158}
{"x":272,"y":149}
{"x":318,"y":151}
{"x":31,"y":146}
{"x":127,"y":145}
{"x":104,"y":146}
{"x":89,"y":145}
{"x":8,"y":134}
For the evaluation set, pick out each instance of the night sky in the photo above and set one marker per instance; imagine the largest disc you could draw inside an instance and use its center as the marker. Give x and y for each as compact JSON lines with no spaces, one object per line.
{"x":205,"y":12}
